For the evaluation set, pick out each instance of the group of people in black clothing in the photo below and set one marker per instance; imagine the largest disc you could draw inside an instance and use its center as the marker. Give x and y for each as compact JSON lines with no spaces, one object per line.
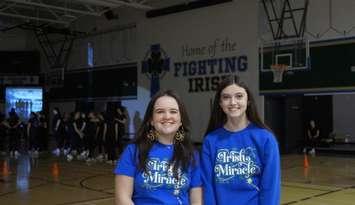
{"x":92,"y":136}
{"x":13,"y":132}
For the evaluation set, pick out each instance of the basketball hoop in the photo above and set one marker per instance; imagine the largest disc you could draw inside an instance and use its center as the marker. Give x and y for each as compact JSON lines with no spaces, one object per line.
{"x":278,"y":71}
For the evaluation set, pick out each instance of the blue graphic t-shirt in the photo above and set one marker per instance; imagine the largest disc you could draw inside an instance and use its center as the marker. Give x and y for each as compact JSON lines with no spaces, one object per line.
{"x":242,"y":166}
{"x":158,"y":185}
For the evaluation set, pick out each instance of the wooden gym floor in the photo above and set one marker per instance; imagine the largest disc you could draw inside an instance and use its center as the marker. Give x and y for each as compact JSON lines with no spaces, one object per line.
{"x":52,"y":180}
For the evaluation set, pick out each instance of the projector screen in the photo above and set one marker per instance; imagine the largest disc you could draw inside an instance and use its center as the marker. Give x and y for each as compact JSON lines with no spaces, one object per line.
{"x":24,"y":100}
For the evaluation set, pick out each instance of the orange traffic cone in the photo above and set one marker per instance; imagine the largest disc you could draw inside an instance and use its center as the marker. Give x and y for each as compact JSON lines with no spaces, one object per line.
{"x":5,"y":169}
{"x":305,"y":161}
{"x":55,"y":171}
{"x":305,"y":172}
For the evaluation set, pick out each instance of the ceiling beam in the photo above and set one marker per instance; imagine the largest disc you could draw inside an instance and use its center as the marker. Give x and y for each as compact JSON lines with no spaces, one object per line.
{"x":116,"y":3}
{"x":55,"y":7}
{"x":98,"y":3}
{"x":7,"y":6}
{"x":130,"y":4}
{"x":52,"y":12}
{"x":89,"y":7}
{"x":33,"y":18}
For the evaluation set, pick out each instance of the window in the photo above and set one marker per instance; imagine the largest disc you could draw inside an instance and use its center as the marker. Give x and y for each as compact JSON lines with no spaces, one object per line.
{"x":90,"y":54}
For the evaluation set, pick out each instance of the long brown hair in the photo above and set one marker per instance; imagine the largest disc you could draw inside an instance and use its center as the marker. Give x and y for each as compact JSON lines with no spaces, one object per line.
{"x":183,"y":151}
{"x":218,"y":118}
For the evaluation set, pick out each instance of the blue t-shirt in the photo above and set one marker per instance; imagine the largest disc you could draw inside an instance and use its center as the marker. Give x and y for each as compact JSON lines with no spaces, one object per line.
{"x":241,"y":167}
{"x":159,"y":186}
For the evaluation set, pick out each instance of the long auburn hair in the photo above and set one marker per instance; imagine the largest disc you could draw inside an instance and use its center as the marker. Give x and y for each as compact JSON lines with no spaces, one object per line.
{"x":183,"y":151}
{"x":218,"y":118}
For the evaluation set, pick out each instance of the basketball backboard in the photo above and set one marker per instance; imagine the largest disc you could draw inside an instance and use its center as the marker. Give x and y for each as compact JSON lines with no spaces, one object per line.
{"x":294,"y":53}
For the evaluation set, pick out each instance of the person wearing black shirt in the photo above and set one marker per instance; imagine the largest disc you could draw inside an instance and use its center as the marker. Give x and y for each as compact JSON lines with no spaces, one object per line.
{"x":111,"y":137}
{"x":100,"y":142}
{"x":43,"y":135}
{"x":57,"y":130}
{"x":79,"y":125}
{"x":91,"y":132}
{"x":13,"y":124}
{"x":312,"y":137}
{"x":33,"y":134}
{"x":121,"y":119}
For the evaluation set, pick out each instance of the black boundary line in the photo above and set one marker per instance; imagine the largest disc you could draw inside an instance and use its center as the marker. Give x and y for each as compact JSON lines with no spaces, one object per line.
{"x":51,"y":181}
{"x":318,"y":195}
{"x":83,"y":185}
{"x":48,"y":181}
{"x":80,"y":186}
{"x":308,"y":188}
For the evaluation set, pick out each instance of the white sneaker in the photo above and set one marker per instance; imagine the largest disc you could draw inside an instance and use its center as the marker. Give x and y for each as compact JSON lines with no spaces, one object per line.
{"x":82,"y":155}
{"x":16,"y":154}
{"x":312,"y":152}
{"x":69,"y":157}
{"x":100,"y":158}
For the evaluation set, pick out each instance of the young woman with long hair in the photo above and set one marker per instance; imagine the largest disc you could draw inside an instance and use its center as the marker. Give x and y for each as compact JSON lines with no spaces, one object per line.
{"x":240,"y":157}
{"x":160,"y":166}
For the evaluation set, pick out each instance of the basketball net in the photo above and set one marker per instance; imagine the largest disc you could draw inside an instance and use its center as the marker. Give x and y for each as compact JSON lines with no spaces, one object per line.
{"x":278,"y":71}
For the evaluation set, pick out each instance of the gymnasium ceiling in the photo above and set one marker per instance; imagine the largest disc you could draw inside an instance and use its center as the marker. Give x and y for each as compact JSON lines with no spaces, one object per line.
{"x":62,"y":13}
